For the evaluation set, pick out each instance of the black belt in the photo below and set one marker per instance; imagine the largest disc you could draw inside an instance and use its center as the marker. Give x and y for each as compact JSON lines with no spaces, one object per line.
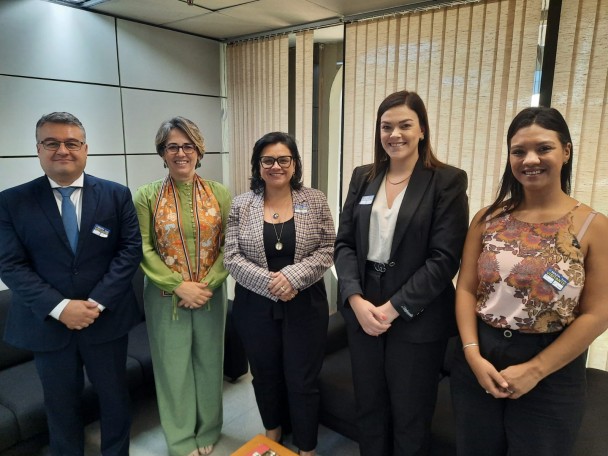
{"x":515,"y":335}
{"x":378,"y":267}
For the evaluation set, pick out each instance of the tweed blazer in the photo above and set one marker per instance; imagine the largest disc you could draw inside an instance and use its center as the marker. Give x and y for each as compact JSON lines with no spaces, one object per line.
{"x":244,"y":254}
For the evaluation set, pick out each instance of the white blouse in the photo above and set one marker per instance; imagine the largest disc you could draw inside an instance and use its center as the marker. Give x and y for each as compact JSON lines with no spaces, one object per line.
{"x":382,"y":225}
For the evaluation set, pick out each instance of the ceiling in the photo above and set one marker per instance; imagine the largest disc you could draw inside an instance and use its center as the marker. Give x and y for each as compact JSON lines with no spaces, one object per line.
{"x":227,"y":20}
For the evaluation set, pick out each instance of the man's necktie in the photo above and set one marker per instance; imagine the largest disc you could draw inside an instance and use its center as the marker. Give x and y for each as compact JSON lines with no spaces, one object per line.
{"x":68,"y":214}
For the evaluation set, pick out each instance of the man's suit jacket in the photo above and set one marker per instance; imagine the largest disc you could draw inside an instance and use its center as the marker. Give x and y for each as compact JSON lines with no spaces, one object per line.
{"x":425,"y":254}
{"x":38,"y":265}
{"x":244,"y":254}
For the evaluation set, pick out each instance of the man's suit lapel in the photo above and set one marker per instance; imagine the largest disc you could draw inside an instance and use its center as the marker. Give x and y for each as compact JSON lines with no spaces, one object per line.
{"x":90,"y":200}
{"x":48,"y":204}
{"x":411,"y":200}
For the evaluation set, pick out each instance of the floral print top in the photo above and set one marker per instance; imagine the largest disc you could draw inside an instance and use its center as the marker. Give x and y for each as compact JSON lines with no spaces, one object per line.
{"x":530,"y":274}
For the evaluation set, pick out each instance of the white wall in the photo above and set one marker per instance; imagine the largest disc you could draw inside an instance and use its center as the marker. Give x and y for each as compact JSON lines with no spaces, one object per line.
{"x":120,"y":78}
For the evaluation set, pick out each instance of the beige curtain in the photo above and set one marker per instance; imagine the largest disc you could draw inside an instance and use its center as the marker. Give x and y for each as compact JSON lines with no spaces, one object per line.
{"x":580,"y":92}
{"x":303,"y":99}
{"x":257,"y":74}
{"x":473,"y":65}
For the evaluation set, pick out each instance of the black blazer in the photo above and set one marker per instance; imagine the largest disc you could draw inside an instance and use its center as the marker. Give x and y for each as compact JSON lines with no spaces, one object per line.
{"x":38,"y":265}
{"x":425,"y":254}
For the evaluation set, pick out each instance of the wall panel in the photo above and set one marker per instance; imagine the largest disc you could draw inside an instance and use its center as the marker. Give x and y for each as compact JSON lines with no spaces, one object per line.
{"x":25,"y":100}
{"x":46,"y":40}
{"x":160,"y":59}
{"x":145,"y":110}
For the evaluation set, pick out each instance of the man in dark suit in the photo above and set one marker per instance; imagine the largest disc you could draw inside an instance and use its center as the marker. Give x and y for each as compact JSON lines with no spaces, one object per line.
{"x":69,"y":261}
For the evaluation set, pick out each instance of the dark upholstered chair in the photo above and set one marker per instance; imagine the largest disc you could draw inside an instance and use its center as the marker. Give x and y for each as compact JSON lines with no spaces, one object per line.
{"x":338,"y":403}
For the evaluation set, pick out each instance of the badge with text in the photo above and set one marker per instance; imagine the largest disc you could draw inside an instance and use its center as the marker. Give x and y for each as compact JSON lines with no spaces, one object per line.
{"x":300,"y":208}
{"x":367,"y":199}
{"x":101,"y":231}
{"x":555,"y":279}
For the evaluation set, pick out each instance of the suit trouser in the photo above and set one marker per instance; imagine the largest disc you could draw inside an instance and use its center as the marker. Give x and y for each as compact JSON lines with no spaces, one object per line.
{"x":543,"y":422}
{"x":395,"y":383}
{"x":285,"y":357}
{"x":62,"y":376}
{"x":187,"y":355}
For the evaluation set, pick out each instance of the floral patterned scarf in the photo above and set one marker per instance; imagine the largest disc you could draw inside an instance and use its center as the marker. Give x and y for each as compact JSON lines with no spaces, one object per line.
{"x":171,"y":244}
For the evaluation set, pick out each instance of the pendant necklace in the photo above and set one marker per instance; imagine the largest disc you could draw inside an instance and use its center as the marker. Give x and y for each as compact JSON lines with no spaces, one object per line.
{"x":279,"y":244}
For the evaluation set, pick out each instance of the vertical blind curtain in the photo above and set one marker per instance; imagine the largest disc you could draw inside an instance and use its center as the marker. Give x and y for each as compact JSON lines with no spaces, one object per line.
{"x":257,"y":73}
{"x":580,"y":93}
{"x":304,"y":98}
{"x":473,"y":66}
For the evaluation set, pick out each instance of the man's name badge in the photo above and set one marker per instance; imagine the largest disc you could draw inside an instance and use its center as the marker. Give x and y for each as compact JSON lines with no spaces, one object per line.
{"x":300,"y":208}
{"x":367,"y":199}
{"x":555,"y":279}
{"x":101,"y":231}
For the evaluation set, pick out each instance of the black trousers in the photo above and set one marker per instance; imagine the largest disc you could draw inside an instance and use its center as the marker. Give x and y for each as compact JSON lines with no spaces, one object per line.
{"x":395,"y":384}
{"x":543,"y":422}
{"x":62,"y":376}
{"x":285,"y":351}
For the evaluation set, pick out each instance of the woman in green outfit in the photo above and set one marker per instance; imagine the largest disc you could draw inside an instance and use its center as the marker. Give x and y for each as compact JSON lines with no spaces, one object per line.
{"x":182,"y":219}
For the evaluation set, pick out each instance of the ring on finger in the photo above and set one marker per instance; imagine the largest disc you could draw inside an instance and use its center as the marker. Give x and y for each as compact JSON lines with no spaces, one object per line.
{"x":283,"y":288}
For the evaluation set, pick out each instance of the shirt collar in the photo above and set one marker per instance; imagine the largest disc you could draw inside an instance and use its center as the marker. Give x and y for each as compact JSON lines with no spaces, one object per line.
{"x":77,"y":183}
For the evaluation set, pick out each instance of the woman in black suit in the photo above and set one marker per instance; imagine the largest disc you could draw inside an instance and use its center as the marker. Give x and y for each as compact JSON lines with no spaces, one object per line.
{"x":398,"y":247}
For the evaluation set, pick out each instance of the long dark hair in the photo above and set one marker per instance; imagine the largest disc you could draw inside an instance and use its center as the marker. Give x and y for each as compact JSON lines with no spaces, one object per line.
{"x":257,"y":184}
{"x":413,"y":101}
{"x":511,"y":188}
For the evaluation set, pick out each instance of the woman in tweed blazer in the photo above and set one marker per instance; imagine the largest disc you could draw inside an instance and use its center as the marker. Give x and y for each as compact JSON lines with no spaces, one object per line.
{"x":279,"y":243}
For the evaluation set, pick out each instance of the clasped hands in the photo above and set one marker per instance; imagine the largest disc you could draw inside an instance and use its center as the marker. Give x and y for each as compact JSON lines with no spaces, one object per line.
{"x":374,"y":320}
{"x":79,"y":314}
{"x":512,"y":382}
{"x":193,"y":295}
{"x":280,"y":287}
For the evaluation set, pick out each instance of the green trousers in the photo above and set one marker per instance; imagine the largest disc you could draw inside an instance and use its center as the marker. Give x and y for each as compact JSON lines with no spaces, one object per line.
{"x":187,"y":356}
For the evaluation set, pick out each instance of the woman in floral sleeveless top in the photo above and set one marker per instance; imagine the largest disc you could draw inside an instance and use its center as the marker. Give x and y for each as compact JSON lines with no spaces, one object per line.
{"x":532,"y":295}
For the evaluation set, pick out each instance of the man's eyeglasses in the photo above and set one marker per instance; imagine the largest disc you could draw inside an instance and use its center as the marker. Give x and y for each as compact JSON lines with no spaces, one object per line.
{"x":72,"y":145}
{"x":268,"y":162}
{"x":173,"y":149}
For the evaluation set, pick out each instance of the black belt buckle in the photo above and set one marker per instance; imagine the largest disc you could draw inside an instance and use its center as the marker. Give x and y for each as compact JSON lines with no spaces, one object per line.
{"x":380,"y":267}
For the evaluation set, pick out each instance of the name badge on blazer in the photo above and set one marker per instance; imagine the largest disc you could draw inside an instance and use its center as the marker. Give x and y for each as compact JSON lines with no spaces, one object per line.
{"x":367,"y":199}
{"x":101,"y":231}
{"x":300,"y":208}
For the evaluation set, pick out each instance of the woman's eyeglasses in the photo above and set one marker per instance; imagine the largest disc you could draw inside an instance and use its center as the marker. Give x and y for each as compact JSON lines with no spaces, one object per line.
{"x":173,"y":149}
{"x":268,"y":162}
